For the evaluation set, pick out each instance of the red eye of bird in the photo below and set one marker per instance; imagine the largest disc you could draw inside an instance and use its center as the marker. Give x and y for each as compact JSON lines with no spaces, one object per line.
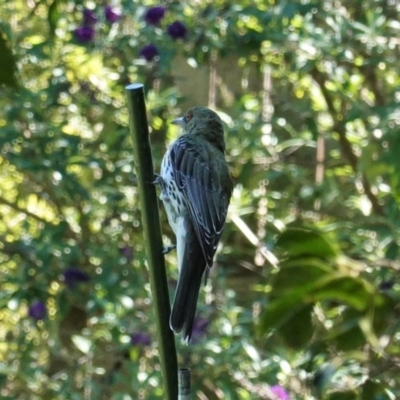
{"x":188,"y":116}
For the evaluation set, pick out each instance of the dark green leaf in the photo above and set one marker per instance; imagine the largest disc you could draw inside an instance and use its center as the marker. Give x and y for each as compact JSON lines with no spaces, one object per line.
{"x":353,"y":292}
{"x":349,"y":395}
{"x":301,"y":242}
{"x":372,"y":390}
{"x":8,"y":67}
{"x":279,"y":312}
{"x":298,"y":329}
{"x":300,"y":272}
{"x":54,"y":15}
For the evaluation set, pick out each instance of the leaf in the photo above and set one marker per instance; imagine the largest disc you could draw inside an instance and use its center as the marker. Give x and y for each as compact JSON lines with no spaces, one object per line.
{"x":350,"y":395}
{"x":351,"y":338}
{"x":82,"y":343}
{"x":300,"y":273}
{"x":54,"y":15}
{"x":370,"y":390}
{"x":382,"y":312}
{"x":303,"y":242}
{"x":8,"y":65}
{"x":279,"y":311}
{"x":251,"y":352}
{"x":289,"y":10}
{"x":294,"y":143}
{"x":298,"y":329}
{"x":353,"y":292}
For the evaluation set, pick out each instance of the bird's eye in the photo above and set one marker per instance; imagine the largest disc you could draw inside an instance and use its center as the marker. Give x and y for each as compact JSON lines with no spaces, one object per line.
{"x":188,"y":116}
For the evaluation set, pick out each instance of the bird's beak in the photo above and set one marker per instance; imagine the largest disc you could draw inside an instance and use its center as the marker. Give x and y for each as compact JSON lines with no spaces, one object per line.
{"x":178,"y":121}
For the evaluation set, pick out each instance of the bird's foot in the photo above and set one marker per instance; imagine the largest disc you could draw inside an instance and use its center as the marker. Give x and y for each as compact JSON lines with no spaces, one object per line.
{"x":157,"y":180}
{"x":207,"y":272}
{"x":168,"y":249}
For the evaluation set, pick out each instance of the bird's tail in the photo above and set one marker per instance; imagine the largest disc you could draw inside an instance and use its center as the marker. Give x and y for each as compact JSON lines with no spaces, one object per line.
{"x":187,"y":290}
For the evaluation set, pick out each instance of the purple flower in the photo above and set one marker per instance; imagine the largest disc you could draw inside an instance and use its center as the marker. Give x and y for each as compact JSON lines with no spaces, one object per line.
{"x":89,"y":17}
{"x":127,"y":252}
{"x":200,"y":327}
{"x":154,"y":15}
{"x":279,"y":392}
{"x":37,"y":310}
{"x":149,"y":52}
{"x":386,"y":285}
{"x":140,"y":339}
{"x":84,"y":34}
{"x":73,"y":276}
{"x":177,"y":30}
{"x":111,"y":14}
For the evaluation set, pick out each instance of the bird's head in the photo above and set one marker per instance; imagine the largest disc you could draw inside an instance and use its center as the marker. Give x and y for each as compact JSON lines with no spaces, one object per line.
{"x":203,"y":122}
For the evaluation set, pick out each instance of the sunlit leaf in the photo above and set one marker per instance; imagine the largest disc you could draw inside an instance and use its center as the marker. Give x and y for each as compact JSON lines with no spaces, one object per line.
{"x":82,"y":343}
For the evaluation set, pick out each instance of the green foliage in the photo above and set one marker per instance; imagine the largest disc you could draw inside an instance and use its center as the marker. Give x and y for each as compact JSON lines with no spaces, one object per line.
{"x":8,"y":67}
{"x":309,"y":93}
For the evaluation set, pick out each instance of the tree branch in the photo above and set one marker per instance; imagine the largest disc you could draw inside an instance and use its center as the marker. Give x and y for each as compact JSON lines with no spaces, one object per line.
{"x":15,"y":207}
{"x":340,"y":129}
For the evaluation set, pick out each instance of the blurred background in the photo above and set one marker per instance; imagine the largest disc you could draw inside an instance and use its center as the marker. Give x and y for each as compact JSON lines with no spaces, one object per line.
{"x":303,"y":301}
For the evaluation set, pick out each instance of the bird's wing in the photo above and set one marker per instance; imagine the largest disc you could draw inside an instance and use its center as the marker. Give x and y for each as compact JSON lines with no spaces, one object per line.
{"x":199,"y":176}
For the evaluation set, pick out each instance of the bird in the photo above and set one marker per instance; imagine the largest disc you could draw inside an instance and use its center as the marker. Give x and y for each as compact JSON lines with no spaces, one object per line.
{"x":196,"y":188}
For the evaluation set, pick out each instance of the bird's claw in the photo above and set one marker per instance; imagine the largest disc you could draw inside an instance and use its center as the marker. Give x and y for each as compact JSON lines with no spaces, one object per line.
{"x":157,"y":180}
{"x":168,"y":249}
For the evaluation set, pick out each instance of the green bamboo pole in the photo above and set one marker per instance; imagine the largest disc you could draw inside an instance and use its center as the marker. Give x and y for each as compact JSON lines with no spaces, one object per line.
{"x":152,"y":237}
{"x":185,"y":391}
